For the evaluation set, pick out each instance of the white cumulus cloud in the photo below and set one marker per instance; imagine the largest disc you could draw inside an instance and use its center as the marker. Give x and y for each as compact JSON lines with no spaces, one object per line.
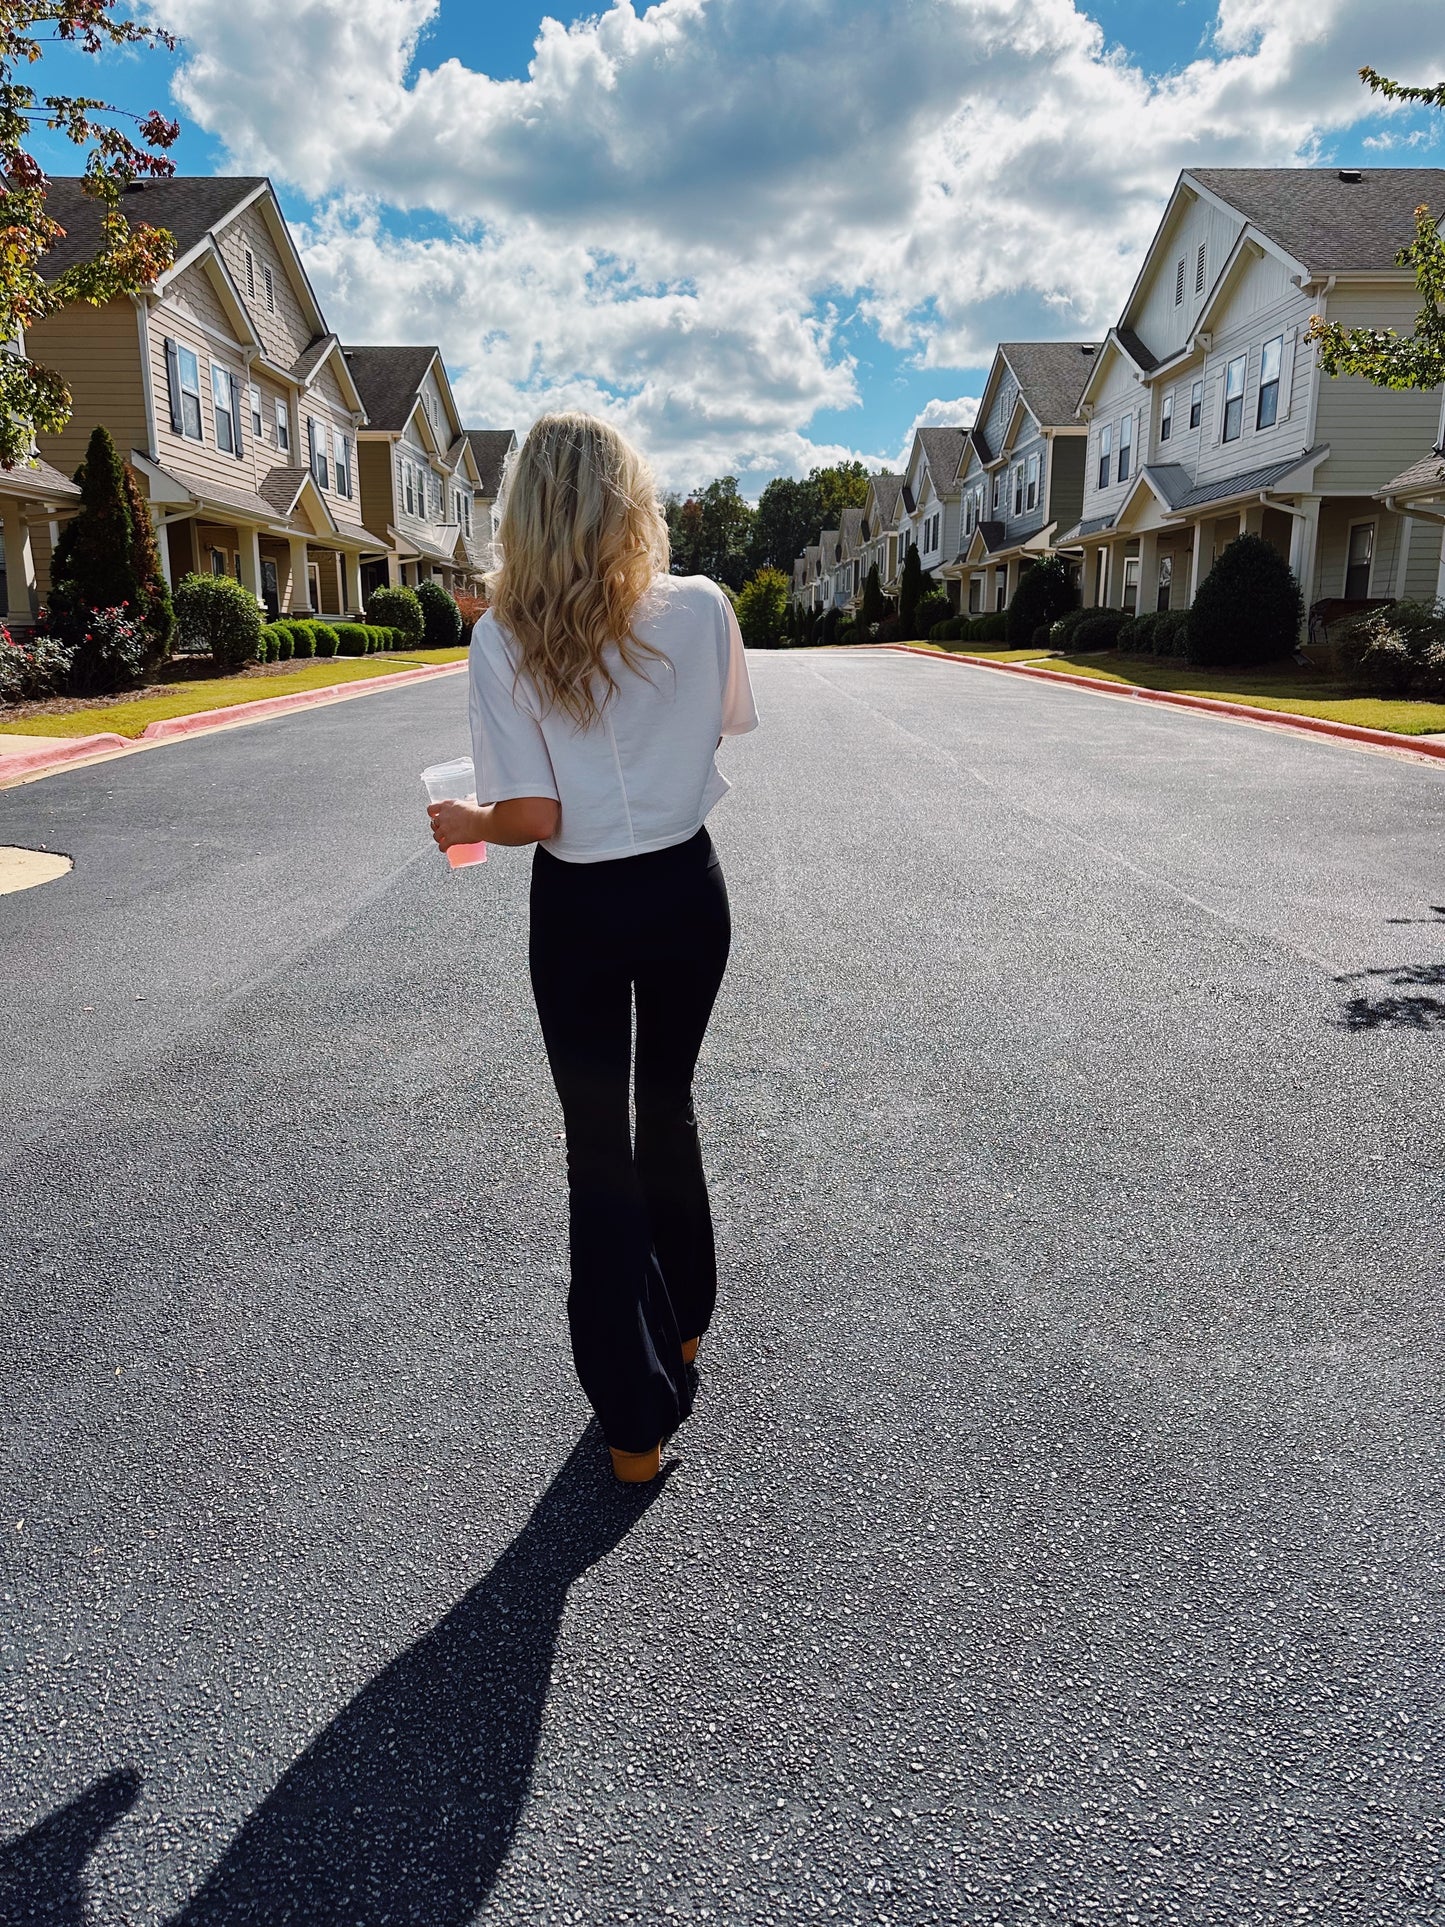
{"x":666,"y":218}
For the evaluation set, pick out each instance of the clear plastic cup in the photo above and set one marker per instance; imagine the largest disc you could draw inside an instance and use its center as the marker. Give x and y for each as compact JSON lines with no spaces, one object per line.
{"x":455,"y":782}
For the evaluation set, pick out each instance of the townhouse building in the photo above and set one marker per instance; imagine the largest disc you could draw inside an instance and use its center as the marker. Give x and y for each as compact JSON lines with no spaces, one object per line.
{"x":34,"y":499}
{"x":492,"y":449}
{"x":847,"y":560}
{"x":421,"y":493}
{"x":878,"y":537}
{"x":929,"y":501}
{"x":224,"y":387}
{"x":1207,"y":414}
{"x":1021,"y":478}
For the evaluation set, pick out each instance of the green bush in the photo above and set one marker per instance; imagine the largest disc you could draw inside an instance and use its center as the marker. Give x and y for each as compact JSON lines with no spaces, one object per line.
{"x":932,"y":608}
{"x":353,"y":639}
{"x":1100,"y":629}
{"x":31,"y":666}
{"x":441,"y":618}
{"x":324,"y":635}
{"x":1045,"y":592}
{"x":947,"y":631}
{"x":1061,"y":632}
{"x":993,"y":628}
{"x":398,"y":608}
{"x":875,"y":605}
{"x":303,"y":635}
{"x":1040,"y":637}
{"x":1159,"y":632}
{"x":217,"y":617}
{"x":849,"y":632}
{"x":762,"y":609}
{"x":1247,"y":610}
{"x":1398,"y":650}
{"x":280,"y":642}
{"x":106,"y":559}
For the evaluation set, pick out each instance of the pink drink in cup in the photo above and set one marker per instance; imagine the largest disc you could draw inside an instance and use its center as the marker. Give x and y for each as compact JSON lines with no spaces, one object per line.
{"x":455,"y":782}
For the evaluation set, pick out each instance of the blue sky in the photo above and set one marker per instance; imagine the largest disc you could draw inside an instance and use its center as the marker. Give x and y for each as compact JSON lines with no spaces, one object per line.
{"x":760,"y":237}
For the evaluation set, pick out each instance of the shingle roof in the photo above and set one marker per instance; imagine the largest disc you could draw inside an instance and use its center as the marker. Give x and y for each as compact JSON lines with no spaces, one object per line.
{"x":1328,"y":224}
{"x":312,"y":356}
{"x":850,"y":528}
{"x":188,"y":205}
{"x":943,"y":448}
{"x":1051,"y":376}
{"x":490,"y":447}
{"x":37,"y":480}
{"x":387,"y":380}
{"x":993,"y":535}
{"x":281,"y":486}
{"x":1135,"y":349}
{"x":886,"y":489}
{"x":1425,"y":477}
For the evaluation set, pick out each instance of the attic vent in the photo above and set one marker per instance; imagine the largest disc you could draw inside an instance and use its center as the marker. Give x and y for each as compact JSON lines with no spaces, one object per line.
{"x":1087,"y":349}
{"x":1351,"y":176}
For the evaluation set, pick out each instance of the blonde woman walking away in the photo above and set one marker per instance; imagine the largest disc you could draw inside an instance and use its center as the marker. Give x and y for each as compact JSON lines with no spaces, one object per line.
{"x":601,"y":690}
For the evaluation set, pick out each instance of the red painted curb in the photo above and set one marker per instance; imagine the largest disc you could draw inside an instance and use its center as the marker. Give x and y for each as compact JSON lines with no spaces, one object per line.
{"x":1281,"y":718}
{"x":14,"y":767}
{"x":27,"y":761}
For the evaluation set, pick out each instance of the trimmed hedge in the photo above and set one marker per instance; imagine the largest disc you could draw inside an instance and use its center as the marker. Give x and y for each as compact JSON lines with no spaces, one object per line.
{"x":397,"y":607}
{"x":1159,"y":632}
{"x":1100,"y":630}
{"x":1248,"y":609}
{"x":441,"y":616}
{"x":1045,"y":591}
{"x":216,"y":616}
{"x":1062,"y":632}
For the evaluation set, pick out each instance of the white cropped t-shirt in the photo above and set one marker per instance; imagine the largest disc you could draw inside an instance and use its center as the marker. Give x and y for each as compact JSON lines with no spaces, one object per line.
{"x":643,"y":776}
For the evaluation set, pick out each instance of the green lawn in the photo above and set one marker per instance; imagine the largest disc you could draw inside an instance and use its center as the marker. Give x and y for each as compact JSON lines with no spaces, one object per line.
{"x":129,"y":715}
{"x":1305,"y":692}
{"x":995,"y":651}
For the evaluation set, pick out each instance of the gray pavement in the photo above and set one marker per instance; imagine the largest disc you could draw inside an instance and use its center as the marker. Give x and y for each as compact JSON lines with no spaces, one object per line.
{"x":1058,"y":1537}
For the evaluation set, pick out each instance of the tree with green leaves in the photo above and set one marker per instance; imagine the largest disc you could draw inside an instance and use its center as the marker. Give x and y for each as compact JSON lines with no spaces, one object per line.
{"x":914,"y":584}
{"x":875,"y":603}
{"x":1382,"y":355}
{"x":130,"y":255}
{"x":791,"y":512}
{"x":709,"y":531}
{"x":94,"y":564}
{"x":763,"y":609}
{"x":157,"y":609}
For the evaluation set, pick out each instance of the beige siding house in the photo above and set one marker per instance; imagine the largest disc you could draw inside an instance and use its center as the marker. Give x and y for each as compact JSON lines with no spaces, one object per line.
{"x":421,"y":487}
{"x":1206,"y":411}
{"x":492,"y":449}
{"x":222,"y":384}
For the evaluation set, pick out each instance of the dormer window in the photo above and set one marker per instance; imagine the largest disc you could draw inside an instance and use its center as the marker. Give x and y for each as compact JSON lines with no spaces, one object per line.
{"x":1031,"y":483}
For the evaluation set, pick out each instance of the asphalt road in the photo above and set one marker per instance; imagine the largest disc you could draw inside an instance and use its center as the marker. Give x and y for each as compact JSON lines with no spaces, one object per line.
{"x":1059,"y":1534}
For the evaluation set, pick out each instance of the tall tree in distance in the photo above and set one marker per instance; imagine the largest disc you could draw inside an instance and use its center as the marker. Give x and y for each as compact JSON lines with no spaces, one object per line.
{"x":791,"y":513}
{"x":129,"y":255}
{"x":709,"y":532}
{"x":1381,"y":355}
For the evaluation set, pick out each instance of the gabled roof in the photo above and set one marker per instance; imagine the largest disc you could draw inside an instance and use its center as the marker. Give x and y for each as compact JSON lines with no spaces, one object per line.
{"x":490,"y":448}
{"x":943,"y":450}
{"x":1425,"y":477}
{"x":188,"y":205}
{"x":36,"y":480}
{"x":311,"y":357}
{"x":1134,"y":348}
{"x":1051,"y":377}
{"x":1329,"y":223}
{"x":850,"y":529}
{"x":887,"y":487}
{"x":389,"y":380}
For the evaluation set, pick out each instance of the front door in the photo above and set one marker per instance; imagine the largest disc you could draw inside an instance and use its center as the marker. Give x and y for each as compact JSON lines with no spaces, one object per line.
{"x":1361,"y":556}
{"x":269,"y":592}
{"x":313,"y":581}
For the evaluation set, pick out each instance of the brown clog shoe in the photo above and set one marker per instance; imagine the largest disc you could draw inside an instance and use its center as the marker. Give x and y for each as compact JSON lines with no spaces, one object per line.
{"x":636,"y":1468}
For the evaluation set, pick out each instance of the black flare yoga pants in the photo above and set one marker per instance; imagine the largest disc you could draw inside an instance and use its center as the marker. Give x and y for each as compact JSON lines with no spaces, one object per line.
{"x":644,"y":1275}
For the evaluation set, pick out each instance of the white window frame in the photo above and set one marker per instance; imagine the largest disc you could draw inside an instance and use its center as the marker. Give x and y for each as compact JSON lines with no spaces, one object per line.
{"x":316,"y":450}
{"x":1031,"y":481}
{"x":1196,"y":403}
{"x":407,"y":487}
{"x":1125,"y":466}
{"x":1105,"y":464}
{"x":222,"y":411}
{"x":341,"y":462}
{"x":191,"y":392}
{"x":1018,"y":488}
{"x":1267,"y":382}
{"x":283,"y":423}
{"x":1166,"y":417}
{"x":1130,"y":585}
{"x":1237,"y":365}
{"x":1372,"y":527}
{"x":258,"y":429}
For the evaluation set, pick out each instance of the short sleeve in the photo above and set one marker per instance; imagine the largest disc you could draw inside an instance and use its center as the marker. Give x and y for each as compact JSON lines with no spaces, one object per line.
{"x":508,"y":748}
{"x":739,"y":711}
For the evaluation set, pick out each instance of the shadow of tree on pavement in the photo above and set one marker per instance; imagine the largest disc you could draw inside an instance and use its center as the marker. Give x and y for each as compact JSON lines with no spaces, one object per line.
{"x":1400,"y":999}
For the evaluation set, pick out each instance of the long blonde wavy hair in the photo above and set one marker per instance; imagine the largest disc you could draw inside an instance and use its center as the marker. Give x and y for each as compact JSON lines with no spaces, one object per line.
{"x":582,"y":538}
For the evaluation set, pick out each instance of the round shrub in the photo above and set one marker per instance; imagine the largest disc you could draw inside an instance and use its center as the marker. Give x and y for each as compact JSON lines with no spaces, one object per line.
{"x":1100,"y":629}
{"x":1045,"y":592}
{"x":353,"y":639}
{"x":303,"y":639}
{"x":441,"y":617}
{"x":217,"y":617}
{"x":993,"y":628}
{"x":932,"y":608}
{"x":398,"y":608}
{"x":284,"y":647}
{"x":1061,"y":633}
{"x":1248,"y":609}
{"x":326,"y":639}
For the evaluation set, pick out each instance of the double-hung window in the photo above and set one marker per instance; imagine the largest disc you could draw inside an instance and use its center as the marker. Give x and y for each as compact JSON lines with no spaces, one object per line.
{"x":1018,"y":488}
{"x":316,"y":448}
{"x":408,"y":488}
{"x":1359,"y":558}
{"x":997,"y":492}
{"x":1031,"y":483}
{"x":1266,"y":413}
{"x":221,"y":403}
{"x":188,"y":383}
{"x":1106,"y":453}
{"x":256,"y":427}
{"x":1166,"y":417}
{"x":341,"y":461}
{"x":1196,"y":404}
{"x":283,"y":425}
{"x":1126,"y":445}
{"x":1234,"y":399}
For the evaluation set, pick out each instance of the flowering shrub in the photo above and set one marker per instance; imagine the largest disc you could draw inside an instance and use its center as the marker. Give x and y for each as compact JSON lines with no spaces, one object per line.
{"x":30,"y":667}
{"x":1398,"y":650}
{"x":109,"y":649}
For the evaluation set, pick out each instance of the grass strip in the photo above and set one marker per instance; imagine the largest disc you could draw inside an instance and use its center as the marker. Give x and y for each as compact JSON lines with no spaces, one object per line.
{"x":130,"y":715}
{"x":1301,"y":692}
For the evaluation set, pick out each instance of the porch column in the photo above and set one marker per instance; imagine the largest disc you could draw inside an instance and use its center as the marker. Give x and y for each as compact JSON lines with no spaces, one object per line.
{"x":1251,"y":520}
{"x":1304,"y":538}
{"x":19,"y":566}
{"x":248,"y":549}
{"x":1148,"y":572}
{"x":163,"y":546}
{"x":1402,"y":558}
{"x":1196,"y":562}
{"x":351,"y":576}
{"x":300,"y":604}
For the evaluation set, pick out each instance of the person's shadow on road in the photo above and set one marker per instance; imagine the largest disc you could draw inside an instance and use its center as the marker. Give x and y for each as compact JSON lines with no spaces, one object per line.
{"x":404,"y":1808}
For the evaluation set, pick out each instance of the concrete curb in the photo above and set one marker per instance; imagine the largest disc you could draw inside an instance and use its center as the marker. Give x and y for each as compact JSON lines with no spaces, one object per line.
{"x":16,"y":769}
{"x":1242,"y":712}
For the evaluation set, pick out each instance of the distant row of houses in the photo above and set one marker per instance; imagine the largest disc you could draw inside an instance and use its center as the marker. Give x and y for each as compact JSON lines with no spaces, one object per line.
{"x":267,"y":449}
{"x":1202,"y":415}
